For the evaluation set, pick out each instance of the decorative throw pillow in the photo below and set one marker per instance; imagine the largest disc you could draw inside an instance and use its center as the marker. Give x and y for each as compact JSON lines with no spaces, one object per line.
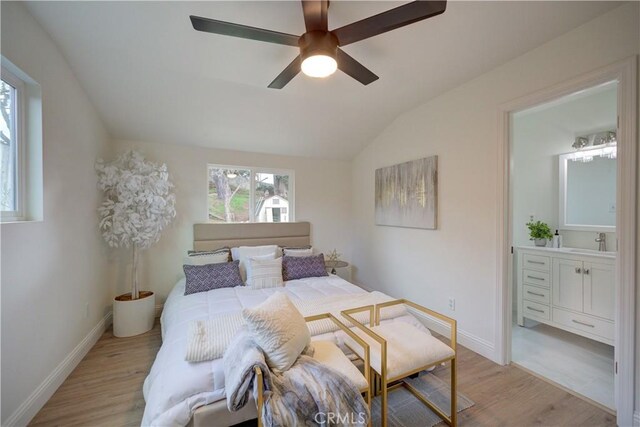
{"x":202,"y":258}
{"x":279,"y":329}
{"x":242,"y":253}
{"x":202,"y":278}
{"x":264,"y":273}
{"x":297,"y":251}
{"x":295,"y":267}
{"x":248,"y":265}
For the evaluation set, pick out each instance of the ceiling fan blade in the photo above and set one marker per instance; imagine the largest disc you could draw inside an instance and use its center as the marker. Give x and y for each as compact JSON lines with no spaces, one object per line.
{"x":353,"y":68}
{"x":315,"y":14}
{"x":243,"y":31}
{"x":389,"y":20}
{"x":287,"y":74}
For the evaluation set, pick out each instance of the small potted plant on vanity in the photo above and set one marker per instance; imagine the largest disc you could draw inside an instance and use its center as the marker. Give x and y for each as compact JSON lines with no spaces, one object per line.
{"x":539,"y":232}
{"x":138,"y":204}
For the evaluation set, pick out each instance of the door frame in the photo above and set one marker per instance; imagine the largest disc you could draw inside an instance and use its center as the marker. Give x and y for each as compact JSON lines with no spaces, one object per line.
{"x":625,"y":73}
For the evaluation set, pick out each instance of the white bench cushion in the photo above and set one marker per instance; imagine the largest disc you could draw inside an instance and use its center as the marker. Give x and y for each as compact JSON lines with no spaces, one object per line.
{"x":330,"y":354}
{"x":408,"y":348}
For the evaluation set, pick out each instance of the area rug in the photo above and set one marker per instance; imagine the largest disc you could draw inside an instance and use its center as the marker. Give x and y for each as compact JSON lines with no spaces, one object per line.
{"x":405,"y":410}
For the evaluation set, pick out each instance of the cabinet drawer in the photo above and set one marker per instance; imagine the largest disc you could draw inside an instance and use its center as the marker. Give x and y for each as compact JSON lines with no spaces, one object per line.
{"x":533,"y":310}
{"x":584,"y":323}
{"x":532,"y":293}
{"x":536,"y":262}
{"x":537,"y":278}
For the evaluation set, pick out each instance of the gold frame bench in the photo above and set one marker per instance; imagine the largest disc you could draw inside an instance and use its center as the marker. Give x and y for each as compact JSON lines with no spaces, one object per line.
{"x":382,"y":384}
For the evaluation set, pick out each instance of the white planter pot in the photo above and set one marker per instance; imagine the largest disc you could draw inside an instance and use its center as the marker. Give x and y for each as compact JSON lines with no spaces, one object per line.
{"x":540,"y":242}
{"x":133,"y":317}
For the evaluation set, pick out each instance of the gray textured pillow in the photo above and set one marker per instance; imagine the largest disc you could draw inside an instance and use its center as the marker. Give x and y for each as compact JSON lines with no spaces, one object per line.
{"x":300,"y":267}
{"x":202,"y":278}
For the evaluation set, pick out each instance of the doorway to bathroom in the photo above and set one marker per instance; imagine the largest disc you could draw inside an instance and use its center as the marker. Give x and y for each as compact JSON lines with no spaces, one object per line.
{"x":568,"y":157}
{"x":564,"y":156}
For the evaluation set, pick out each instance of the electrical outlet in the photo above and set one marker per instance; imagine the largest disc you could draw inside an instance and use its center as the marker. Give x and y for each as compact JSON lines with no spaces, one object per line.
{"x":452,"y":304}
{"x":531,"y":217}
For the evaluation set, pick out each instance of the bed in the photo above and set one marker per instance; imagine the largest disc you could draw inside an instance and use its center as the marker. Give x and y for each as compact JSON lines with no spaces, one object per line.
{"x":181,"y":393}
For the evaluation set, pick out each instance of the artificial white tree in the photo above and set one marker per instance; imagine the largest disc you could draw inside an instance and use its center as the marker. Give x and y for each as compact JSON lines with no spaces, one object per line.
{"x":138,"y":204}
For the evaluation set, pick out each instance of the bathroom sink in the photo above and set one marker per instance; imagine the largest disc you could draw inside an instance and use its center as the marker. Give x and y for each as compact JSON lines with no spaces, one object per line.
{"x":590,"y":252}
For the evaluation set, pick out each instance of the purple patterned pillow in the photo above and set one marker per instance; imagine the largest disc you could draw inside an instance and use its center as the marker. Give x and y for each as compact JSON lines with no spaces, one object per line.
{"x":299,"y":267}
{"x":202,"y":278}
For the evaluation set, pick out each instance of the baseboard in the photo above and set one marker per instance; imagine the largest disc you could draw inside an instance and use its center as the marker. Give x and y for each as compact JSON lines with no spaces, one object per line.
{"x":636,"y":419}
{"x":30,"y":407}
{"x":472,"y":342}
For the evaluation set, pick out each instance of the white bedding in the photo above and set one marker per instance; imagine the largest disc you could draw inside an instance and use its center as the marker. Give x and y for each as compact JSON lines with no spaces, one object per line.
{"x":175,"y":388}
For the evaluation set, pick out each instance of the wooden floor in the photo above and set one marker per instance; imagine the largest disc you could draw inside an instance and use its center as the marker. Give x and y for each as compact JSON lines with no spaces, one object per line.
{"x":106,"y":390}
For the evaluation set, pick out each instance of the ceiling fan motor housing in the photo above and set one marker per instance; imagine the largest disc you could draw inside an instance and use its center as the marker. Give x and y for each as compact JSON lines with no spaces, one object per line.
{"x":318,"y":43}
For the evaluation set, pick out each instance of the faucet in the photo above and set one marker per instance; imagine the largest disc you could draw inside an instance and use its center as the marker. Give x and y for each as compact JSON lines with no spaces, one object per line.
{"x":602,"y":242}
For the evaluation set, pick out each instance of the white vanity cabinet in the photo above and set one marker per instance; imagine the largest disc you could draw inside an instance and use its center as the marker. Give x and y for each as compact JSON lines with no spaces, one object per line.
{"x":567,"y":289}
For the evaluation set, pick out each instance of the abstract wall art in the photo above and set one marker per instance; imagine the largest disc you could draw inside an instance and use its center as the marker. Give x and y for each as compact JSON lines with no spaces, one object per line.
{"x":406,"y":194}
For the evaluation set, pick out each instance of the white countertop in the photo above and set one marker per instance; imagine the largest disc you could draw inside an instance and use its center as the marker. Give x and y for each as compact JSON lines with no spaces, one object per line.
{"x":572,"y":251}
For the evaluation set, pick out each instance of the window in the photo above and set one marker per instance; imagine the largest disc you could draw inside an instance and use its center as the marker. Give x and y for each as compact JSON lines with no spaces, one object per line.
{"x":11,"y":146}
{"x":239,"y":194}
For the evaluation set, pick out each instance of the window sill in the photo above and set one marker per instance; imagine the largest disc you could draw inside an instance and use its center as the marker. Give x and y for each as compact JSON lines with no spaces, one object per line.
{"x":19,"y":221}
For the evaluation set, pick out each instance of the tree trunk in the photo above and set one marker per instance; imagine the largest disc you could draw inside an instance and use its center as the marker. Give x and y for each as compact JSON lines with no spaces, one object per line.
{"x":223,"y":192}
{"x":222,"y":184}
{"x":135,"y":290}
{"x":280,"y":184}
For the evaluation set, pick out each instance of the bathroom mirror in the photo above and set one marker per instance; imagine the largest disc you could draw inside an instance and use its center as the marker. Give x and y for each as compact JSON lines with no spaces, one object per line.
{"x":588,"y":190}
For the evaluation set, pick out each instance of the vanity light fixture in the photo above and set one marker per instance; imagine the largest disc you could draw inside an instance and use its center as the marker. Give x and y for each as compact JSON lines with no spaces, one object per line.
{"x":585,"y":146}
{"x":580,"y":142}
{"x":610,"y":152}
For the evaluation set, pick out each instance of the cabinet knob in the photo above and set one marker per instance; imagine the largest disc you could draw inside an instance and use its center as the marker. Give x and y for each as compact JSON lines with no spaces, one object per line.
{"x":586,"y":271}
{"x":578,"y":270}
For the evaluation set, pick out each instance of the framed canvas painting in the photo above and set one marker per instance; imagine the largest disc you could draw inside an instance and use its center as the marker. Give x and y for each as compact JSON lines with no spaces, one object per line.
{"x":406,"y":194}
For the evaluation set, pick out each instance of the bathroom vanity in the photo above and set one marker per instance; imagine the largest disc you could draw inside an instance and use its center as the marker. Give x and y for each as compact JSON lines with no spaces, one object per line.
{"x":568,"y":288}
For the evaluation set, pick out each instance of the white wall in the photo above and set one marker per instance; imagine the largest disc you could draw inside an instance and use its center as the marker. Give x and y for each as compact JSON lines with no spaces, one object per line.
{"x":51,"y":269}
{"x":322,"y":197}
{"x":541,"y":134}
{"x":461,"y":127}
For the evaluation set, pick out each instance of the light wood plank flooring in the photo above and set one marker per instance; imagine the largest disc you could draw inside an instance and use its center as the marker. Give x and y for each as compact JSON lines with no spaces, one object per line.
{"x":574,"y":362}
{"x":106,"y":390}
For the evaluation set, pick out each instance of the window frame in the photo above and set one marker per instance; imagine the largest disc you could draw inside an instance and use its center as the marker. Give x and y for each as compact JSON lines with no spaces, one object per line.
{"x":19,"y":151}
{"x":253,"y":170}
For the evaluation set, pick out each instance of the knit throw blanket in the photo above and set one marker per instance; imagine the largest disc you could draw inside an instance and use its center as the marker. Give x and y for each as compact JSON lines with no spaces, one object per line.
{"x":307,"y":394}
{"x":209,"y":339}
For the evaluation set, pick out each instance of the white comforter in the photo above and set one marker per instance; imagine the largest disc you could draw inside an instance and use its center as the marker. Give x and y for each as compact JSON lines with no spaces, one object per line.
{"x":175,"y":388}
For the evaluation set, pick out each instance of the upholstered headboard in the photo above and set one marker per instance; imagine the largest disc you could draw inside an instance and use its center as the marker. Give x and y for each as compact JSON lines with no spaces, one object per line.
{"x":214,"y":236}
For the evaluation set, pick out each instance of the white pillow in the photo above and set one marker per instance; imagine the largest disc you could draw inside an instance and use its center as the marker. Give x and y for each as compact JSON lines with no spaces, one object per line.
{"x":264,"y":273}
{"x":279,"y":329}
{"x":248,"y":266}
{"x":298,"y":252}
{"x":242,"y":253}
{"x":203,"y":259}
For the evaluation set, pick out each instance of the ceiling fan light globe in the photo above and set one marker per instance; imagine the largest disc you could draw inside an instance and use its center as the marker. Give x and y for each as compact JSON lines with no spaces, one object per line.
{"x":319,"y":66}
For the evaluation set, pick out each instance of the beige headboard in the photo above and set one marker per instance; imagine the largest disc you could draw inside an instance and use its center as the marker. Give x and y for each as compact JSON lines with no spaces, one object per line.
{"x":214,"y":236}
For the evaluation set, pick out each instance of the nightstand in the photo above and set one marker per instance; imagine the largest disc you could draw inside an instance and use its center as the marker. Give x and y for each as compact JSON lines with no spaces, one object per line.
{"x":335,"y":264}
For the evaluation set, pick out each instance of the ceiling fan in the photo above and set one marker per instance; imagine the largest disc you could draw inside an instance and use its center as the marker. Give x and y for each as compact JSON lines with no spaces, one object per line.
{"x":320,"y":53}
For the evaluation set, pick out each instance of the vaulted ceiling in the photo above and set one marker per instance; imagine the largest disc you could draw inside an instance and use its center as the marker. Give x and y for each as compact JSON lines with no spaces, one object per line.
{"x":153,"y":78}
